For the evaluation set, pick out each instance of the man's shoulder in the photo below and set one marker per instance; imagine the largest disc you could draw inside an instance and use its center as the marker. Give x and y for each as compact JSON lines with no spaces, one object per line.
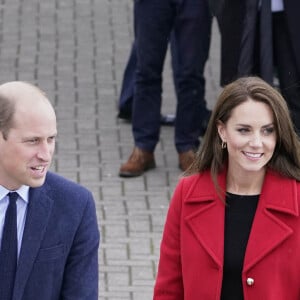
{"x":55,"y":179}
{"x":60,"y":186}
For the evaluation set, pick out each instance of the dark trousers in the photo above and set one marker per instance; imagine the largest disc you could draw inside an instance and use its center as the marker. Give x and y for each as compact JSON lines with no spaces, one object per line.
{"x":190,"y":21}
{"x":127,"y":88}
{"x":128,"y":82}
{"x":285,"y":61}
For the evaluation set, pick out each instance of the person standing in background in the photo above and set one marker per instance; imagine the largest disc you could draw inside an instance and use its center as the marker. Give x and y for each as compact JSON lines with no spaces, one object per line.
{"x":190,"y":20}
{"x":262,"y":38}
{"x":48,"y":225}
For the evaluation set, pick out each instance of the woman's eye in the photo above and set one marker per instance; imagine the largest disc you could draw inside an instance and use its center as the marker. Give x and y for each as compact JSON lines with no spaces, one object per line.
{"x":268,"y":131}
{"x":243,"y":130}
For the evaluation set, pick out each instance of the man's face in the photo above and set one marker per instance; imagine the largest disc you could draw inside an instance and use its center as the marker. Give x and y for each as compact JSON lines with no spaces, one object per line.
{"x":26,"y":154}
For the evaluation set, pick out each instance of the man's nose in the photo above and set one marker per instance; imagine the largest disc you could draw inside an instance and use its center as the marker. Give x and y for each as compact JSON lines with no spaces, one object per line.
{"x":45,"y":151}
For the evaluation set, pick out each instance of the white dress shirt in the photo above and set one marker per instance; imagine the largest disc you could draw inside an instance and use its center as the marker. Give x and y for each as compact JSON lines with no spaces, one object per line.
{"x":277,"y":5}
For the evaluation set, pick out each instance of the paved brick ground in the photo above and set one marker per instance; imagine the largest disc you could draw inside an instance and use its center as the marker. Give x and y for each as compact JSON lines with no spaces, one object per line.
{"x":76,"y":50}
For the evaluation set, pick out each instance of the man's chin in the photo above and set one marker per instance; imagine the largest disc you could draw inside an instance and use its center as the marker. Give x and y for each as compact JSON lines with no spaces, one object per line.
{"x":34,"y":183}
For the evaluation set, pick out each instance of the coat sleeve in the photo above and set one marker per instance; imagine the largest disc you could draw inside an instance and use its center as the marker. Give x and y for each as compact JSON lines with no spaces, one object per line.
{"x":169,"y":281}
{"x":81,"y":270}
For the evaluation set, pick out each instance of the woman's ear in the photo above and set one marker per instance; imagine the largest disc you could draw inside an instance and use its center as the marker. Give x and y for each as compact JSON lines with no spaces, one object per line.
{"x":221,"y":130}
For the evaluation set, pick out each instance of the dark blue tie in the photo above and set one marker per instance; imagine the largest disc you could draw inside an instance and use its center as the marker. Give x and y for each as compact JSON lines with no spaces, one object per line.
{"x":9,"y":250}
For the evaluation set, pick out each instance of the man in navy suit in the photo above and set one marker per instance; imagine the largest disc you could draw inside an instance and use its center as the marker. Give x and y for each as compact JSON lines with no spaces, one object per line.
{"x":58,"y":236}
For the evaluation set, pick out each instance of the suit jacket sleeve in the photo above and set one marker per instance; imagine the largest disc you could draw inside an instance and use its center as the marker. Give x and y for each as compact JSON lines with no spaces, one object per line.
{"x":81,"y":270}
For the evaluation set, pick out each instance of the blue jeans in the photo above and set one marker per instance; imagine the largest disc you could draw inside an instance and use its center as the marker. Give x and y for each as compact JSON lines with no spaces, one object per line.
{"x":190,"y":21}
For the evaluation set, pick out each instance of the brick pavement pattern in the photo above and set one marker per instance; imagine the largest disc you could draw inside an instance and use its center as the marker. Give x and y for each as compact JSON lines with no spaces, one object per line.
{"x":76,"y":51}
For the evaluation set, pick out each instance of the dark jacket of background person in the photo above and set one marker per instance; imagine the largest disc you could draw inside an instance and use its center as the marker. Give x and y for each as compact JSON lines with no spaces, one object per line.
{"x":193,"y":242}
{"x":232,"y":16}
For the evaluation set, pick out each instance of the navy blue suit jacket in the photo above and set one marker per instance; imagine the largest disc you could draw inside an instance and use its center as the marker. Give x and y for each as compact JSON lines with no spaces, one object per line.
{"x":59,"y":252}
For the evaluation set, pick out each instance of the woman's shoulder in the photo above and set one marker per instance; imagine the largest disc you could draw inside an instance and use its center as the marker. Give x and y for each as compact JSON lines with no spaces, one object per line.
{"x":199,"y":183}
{"x":191,"y":179}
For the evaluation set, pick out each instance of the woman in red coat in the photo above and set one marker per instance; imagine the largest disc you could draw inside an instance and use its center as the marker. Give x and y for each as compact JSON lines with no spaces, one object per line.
{"x":233,"y":228}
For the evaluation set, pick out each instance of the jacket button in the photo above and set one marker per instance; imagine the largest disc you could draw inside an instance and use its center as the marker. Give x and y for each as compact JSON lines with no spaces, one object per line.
{"x":250,"y":281}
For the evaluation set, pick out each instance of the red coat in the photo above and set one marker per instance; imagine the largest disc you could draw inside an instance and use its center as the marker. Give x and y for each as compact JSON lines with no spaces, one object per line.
{"x":191,"y":257}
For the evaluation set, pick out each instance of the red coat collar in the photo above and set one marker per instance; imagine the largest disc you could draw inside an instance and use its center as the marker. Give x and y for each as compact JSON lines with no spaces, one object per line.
{"x":204,"y":212}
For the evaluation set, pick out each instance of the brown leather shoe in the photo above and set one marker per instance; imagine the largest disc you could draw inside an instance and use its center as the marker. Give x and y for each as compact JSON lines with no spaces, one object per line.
{"x":138,"y":162}
{"x":185,"y":159}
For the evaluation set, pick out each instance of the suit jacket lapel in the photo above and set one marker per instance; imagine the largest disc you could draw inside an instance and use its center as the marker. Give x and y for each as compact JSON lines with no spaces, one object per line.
{"x":39,"y":209}
{"x":279,"y":196}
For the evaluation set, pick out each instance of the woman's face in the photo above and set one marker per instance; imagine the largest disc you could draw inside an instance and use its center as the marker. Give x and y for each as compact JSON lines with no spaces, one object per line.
{"x":250,"y":136}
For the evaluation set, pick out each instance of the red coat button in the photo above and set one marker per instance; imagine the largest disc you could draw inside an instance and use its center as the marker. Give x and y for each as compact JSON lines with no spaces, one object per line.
{"x":250,"y":281}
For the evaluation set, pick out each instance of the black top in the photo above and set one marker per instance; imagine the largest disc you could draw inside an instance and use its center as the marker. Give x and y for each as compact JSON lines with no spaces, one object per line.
{"x":239,"y":214}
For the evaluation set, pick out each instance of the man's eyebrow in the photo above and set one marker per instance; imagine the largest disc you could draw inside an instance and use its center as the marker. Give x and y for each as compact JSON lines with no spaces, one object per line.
{"x":30,"y":137}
